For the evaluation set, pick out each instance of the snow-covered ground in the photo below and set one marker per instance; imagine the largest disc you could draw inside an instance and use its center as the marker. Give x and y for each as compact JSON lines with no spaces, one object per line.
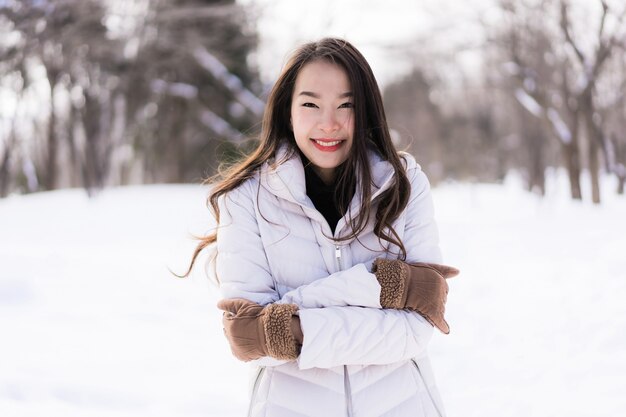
{"x":92,"y":323}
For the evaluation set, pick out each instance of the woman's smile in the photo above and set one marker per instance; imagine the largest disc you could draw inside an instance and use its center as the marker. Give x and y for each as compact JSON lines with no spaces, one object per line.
{"x":327,"y":145}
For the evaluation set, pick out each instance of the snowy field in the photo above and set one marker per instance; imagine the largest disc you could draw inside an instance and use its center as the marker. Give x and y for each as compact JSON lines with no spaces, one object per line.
{"x":93,"y":324}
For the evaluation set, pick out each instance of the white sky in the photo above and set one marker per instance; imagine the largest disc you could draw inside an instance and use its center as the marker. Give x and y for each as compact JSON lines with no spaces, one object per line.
{"x":389,"y":33}
{"x":393,"y":33}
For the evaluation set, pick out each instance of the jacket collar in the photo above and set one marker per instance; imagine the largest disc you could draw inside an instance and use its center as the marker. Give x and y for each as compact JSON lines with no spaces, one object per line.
{"x":287,"y":180}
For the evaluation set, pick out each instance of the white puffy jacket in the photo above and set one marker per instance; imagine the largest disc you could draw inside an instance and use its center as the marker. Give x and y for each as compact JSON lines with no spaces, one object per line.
{"x":357,"y":359}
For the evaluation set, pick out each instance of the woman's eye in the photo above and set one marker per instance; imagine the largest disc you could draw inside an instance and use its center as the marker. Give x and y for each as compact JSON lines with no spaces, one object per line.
{"x":348,"y":105}
{"x":312,"y":105}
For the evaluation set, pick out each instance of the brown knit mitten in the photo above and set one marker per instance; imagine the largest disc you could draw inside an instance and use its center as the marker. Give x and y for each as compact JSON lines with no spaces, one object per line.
{"x":419,"y":286}
{"x":254,"y":331}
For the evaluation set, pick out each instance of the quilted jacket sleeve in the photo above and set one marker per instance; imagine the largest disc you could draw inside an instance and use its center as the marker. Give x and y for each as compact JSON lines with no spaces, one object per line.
{"x":337,"y":336}
{"x":377,"y":336}
{"x":238,"y":234}
{"x":243,"y":269}
{"x":421,"y":235}
{"x":355,"y":286}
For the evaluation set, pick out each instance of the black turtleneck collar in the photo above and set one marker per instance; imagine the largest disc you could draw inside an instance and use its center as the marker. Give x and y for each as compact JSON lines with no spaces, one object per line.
{"x":321,"y":194}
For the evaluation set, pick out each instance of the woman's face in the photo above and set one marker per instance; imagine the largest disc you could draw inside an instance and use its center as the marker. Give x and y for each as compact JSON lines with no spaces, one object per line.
{"x":322,"y":116}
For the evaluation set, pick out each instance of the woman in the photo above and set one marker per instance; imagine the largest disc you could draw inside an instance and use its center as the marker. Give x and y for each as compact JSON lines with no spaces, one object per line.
{"x":327,"y":251}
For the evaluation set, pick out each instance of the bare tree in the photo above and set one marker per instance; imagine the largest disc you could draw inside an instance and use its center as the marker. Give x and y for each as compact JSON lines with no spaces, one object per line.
{"x":55,"y":35}
{"x":5,"y":159}
{"x":592,"y":65}
{"x":138,"y":91}
{"x":559,"y":86}
{"x":416,"y":120}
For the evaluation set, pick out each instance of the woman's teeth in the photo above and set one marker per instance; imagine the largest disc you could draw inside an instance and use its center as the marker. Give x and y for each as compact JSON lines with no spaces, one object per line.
{"x":328,"y":144}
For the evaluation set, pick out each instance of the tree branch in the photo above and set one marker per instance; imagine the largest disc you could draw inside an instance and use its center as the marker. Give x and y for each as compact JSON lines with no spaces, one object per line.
{"x":221,"y":11}
{"x":568,"y":36}
{"x":215,"y":67}
{"x":605,"y":9}
{"x":605,"y":48}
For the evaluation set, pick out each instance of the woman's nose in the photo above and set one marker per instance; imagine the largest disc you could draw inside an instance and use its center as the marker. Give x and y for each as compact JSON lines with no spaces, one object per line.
{"x":329,"y":122}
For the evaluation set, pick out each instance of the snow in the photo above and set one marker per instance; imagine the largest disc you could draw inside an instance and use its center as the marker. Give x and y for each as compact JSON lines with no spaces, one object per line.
{"x":209,"y":62}
{"x":93,"y":324}
{"x":183,"y":90}
{"x":560,"y":127}
{"x":220,"y":126}
{"x":529,"y":103}
{"x":511,"y":68}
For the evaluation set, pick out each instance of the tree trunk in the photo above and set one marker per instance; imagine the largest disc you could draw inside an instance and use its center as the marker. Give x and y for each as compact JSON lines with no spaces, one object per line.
{"x":75,"y":168}
{"x":106,"y":143}
{"x":51,"y":170}
{"x":594,"y":169}
{"x":595,"y":139}
{"x":120,"y":159}
{"x":571,"y":155}
{"x":51,"y":173}
{"x":536,"y":148}
{"x":180,"y":144}
{"x":4,"y":166}
{"x":620,"y":158}
{"x":91,"y":118}
{"x":572,"y":163}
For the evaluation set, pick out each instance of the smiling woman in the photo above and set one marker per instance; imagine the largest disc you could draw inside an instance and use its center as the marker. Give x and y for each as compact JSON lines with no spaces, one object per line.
{"x":327,"y":250}
{"x":321,"y":116}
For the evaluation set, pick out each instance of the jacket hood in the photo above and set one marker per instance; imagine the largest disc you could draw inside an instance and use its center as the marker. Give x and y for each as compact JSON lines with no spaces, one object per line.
{"x":287,"y":180}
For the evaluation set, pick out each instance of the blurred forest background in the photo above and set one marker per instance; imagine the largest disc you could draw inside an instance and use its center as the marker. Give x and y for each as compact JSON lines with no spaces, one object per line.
{"x":98,"y":93}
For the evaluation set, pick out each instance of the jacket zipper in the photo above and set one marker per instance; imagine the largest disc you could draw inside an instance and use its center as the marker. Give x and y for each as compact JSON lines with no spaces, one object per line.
{"x":346,"y":376}
{"x":430,"y":395}
{"x":338,"y":257}
{"x":348,"y":391}
{"x":255,"y":388}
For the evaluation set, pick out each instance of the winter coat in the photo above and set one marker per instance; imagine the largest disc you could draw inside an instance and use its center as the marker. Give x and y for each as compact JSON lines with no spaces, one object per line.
{"x":273,"y":246}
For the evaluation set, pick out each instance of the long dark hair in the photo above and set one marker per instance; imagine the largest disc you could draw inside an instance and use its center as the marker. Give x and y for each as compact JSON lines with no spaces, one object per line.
{"x":370,"y":131}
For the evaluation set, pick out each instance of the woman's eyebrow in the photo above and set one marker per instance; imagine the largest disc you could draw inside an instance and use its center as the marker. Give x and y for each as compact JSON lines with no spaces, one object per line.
{"x":309,"y":93}
{"x":315,"y":95}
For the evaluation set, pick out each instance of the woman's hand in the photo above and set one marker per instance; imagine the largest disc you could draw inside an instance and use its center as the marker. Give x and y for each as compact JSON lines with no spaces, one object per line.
{"x":421,"y":287}
{"x":254,"y":331}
